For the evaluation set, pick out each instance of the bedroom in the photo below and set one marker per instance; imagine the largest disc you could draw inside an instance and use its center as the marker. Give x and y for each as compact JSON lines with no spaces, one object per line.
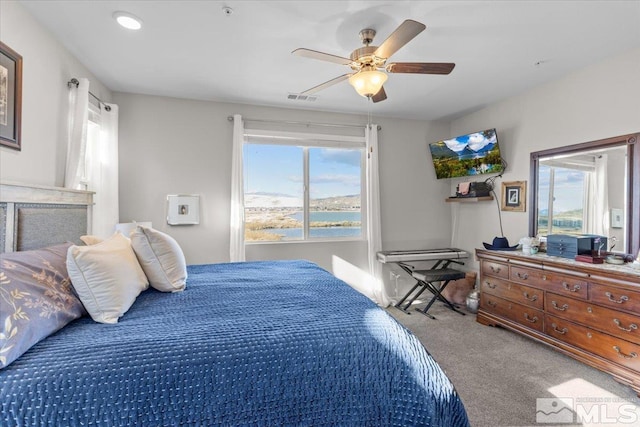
{"x":193,"y":137}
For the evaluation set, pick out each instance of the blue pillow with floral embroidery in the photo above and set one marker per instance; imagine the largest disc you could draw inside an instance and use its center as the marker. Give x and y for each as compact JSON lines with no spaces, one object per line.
{"x":36,"y":299}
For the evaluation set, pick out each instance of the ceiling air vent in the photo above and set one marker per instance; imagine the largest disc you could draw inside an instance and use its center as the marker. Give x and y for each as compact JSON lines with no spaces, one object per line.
{"x":298,"y":97}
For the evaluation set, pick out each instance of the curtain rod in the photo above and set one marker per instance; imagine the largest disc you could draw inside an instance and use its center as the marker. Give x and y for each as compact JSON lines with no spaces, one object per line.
{"x":289,"y":122}
{"x":76,"y":82}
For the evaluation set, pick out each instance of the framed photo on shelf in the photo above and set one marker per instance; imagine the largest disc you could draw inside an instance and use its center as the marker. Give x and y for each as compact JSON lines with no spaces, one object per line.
{"x":514,"y":196}
{"x":10,"y":97}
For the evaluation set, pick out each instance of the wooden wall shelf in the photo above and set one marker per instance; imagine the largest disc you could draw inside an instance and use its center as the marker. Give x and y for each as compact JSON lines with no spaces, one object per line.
{"x":468,"y":199}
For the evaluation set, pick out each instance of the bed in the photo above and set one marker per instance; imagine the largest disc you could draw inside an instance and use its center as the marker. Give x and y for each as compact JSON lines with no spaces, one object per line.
{"x":256,"y":343}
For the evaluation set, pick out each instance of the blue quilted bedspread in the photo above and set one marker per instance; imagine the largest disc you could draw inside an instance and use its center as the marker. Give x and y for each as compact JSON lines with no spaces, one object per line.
{"x":279,"y":343}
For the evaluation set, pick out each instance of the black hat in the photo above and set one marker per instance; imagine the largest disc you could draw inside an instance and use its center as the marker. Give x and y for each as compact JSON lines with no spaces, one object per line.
{"x":500,"y":244}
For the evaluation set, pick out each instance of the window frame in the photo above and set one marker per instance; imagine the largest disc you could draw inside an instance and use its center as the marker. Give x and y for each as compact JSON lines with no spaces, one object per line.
{"x":92,"y":144}
{"x":306,"y":141}
{"x":587,"y":176}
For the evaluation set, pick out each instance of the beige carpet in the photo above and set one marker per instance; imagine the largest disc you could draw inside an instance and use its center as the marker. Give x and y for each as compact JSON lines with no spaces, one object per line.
{"x":499,"y":374}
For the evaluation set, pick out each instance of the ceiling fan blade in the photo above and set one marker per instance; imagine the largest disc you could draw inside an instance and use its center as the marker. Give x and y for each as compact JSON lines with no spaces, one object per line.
{"x":401,"y":36}
{"x":314,"y":54}
{"x":380,"y":96}
{"x":326,"y":84}
{"x":421,"y":67}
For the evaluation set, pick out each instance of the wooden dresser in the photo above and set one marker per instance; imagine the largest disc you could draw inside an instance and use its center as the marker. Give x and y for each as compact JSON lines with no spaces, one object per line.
{"x":589,"y":312}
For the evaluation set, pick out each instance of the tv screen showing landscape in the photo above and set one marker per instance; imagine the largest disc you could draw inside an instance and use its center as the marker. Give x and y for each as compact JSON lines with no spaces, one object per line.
{"x":467,"y":155}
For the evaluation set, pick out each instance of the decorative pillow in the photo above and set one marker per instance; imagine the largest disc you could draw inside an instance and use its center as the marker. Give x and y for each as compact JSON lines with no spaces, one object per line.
{"x":106,"y":277}
{"x":36,"y":299}
{"x":161,"y":259}
{"x":91,"y":240}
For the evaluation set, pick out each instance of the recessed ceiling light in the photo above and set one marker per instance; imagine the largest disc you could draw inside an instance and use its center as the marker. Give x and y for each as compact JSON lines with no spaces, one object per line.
{"x":128,"y":20}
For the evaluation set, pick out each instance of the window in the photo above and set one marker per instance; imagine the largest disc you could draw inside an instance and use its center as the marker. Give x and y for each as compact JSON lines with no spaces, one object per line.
{"x":92,"y":160}
{"x":297,"y":190}
{"x":561,"y":199}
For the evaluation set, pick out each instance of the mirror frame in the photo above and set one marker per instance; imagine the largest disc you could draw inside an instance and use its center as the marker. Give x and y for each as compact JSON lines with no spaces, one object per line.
{"x":633,"y":185}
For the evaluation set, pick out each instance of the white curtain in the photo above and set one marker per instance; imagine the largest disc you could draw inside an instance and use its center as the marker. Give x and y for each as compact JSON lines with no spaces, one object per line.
{"x":374,"y":229}
{"x":75,"y":172}
{"x":236,"y":249}
{"x":599,"y":197}
{"x":103,"y":175}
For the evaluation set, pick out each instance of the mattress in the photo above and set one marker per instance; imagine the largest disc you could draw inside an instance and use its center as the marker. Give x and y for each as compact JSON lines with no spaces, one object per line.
{"x":257,"y":343}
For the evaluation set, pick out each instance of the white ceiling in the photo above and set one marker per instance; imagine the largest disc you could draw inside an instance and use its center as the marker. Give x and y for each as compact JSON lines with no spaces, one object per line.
{"x":191,"y":49}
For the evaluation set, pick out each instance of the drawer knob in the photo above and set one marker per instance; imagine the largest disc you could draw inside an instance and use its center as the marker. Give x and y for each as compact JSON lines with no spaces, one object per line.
{"x":632,"y":327}
{"x":632,"y":355}
{"x":560,"y":331}
{"x":575,"y":288}
{"x":495,"y":269}
{"x":523,"y":276}
{"x":563,"y":307}
{"x":622,"y":299}
{"x":530,"y":298}
{"x":492,"y":304}
{"x":533,"y":319}
{"x":490,"y":285}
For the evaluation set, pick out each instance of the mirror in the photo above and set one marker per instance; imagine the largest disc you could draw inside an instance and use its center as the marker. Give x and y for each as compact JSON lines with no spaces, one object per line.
{"x":588,"y":188}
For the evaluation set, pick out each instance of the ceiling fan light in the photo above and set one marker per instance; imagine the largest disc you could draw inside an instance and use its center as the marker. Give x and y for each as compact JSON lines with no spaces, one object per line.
{"x":368,"y":83}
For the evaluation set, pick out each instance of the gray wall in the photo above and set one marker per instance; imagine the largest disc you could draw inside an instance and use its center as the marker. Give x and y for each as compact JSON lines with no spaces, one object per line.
{"x":170,"y":146}
{"x":596,"y":102}
{"x":47,"y":67}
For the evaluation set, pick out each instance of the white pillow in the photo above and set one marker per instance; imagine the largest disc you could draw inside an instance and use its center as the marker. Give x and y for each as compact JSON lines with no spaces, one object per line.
{"x":161,"y":258}
{"x":107,"y":277}
{"x":90,"y":239}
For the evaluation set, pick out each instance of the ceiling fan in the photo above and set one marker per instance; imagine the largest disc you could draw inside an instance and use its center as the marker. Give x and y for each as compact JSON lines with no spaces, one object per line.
{"x":366,"y":62}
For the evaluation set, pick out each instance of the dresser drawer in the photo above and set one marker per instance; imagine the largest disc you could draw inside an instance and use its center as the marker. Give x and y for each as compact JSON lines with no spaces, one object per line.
{"x":611,"y":348}
{"x":527,"y":316}
{"x":559,"y":283}
{"x":562,"y":284}
{"x":528,"y":276}
{"x":496,"y":269}
{"x":622,"y":325}
{"x":513,"y":291}
{"x":617,"y":298}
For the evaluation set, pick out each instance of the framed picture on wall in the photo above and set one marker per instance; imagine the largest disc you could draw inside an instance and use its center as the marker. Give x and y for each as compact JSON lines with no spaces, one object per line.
{"x":183,"y":209}
{"x":514,"y":196}
{"x":10,"y":97}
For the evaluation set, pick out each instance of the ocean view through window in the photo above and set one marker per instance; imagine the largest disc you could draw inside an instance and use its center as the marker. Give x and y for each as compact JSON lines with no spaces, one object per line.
{"x":302,"y":192}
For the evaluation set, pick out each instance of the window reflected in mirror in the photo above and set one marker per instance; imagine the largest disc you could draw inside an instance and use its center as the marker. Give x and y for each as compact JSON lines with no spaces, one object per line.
{"x":584,"y":193}
{"x":589,"y":188}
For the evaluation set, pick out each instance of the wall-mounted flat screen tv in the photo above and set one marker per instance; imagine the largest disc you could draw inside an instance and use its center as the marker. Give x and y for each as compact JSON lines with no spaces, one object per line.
{"x":467,"y":155}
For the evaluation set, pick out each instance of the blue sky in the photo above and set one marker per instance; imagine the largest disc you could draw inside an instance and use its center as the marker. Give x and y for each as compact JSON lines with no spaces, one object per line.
{"x":279,"y":169}
{"x":475,"y":141}
{"x":569,"y":189}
